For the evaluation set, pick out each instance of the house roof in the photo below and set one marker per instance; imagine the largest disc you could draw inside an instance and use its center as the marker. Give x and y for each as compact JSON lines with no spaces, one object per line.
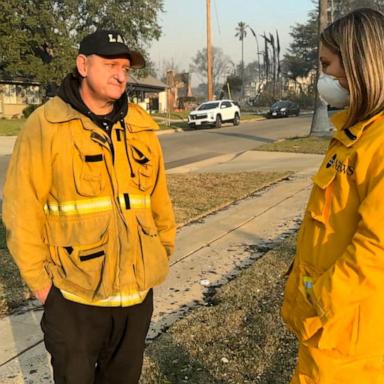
{"x":7,"y":79}
{"x":148,"y":84}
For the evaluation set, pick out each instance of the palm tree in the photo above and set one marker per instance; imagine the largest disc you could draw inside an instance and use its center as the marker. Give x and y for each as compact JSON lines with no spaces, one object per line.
{"x":241,"y":33}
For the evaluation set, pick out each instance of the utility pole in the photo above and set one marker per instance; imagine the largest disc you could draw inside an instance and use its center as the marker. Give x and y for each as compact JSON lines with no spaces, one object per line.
{"x":320,"y":122}
{"x":209,"y":52}
{"x":229,"y":90}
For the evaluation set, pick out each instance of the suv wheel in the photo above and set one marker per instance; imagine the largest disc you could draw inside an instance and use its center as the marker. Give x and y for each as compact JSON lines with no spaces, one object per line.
{"x":218,"y":121}
{"x":236,"y":120}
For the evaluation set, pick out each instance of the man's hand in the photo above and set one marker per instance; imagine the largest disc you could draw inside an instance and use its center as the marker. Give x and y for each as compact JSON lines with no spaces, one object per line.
{"x":42,"y":294}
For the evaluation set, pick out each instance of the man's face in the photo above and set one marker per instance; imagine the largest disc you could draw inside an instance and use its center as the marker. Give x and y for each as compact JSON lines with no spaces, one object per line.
{"x":105,"y":78}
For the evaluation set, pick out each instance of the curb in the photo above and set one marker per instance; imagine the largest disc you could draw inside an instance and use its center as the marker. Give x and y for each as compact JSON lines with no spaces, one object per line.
{"x":169,"y":131}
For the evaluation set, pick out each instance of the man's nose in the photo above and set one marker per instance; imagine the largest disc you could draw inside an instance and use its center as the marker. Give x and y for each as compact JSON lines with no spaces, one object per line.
{"x":121,"y":75}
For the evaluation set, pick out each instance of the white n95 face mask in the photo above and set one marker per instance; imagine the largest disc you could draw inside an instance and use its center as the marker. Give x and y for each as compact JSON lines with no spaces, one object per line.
{"x":332,"y":92}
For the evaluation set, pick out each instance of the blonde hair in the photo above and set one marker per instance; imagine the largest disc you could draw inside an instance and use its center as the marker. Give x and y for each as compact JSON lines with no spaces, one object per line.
{"x":358,"y":38}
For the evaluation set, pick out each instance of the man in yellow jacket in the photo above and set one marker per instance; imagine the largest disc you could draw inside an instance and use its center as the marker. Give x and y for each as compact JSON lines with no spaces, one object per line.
{"x":88,"y":216}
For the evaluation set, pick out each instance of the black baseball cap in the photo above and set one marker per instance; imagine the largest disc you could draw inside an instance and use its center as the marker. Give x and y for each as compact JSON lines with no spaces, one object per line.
{"x":108,"y":43}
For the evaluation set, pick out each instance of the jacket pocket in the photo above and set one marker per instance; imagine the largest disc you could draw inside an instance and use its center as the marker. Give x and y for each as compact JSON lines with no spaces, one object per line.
{"x":152,"y":264}
{"x":143,"y":162}
{"x":308,"y":322}
{"x":298,"y":311}
{"x":319,"y":205}
{"x":342,"y":333}
{"x":89,"y":170}
{"x":78,"y":249}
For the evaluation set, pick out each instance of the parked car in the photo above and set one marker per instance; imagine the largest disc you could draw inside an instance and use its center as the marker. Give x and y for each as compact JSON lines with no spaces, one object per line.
{"x":214,"y":113}
{"x":284,"y":108}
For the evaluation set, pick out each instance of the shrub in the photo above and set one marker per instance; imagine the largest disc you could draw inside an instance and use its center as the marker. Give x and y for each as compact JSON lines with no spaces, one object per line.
{"x":28,"y":110}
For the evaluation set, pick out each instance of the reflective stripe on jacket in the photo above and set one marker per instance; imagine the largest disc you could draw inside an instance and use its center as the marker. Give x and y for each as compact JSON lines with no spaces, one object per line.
{"x":335,"y":293}
{"x":88,"y":211}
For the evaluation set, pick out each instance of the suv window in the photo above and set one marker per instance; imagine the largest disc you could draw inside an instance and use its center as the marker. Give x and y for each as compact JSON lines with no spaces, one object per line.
{"x":280,"y":104}
{"x":226,"y":104}
{"x":205,"y":106}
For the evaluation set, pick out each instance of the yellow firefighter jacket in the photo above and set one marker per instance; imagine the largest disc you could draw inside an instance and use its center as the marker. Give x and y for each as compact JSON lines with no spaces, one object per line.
{"x":335,"y":292}
{"x":87,"y":211}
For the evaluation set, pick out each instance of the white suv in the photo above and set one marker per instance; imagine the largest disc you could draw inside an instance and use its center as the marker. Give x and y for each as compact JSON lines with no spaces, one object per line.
{"x":214,"y":113}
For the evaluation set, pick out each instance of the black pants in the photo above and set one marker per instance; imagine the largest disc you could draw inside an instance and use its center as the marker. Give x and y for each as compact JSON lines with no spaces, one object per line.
{"x":95,"y":345}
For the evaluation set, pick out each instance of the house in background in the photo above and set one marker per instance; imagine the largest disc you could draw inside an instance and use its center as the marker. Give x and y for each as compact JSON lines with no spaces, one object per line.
{"x":179,"y":91}
{"x":16,"y":94}
{"x":148,"y":92}
{"x":301,"y":84}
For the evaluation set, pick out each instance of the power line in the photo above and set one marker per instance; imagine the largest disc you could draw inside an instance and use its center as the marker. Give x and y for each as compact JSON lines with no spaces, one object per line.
{"x":209,"y":52}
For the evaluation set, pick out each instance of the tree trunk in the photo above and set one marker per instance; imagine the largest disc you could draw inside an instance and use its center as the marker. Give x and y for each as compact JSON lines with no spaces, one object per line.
{"x":320,"y":122}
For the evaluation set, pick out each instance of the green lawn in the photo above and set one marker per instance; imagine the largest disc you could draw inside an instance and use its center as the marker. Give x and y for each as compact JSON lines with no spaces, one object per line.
{"x":251,"y":116}
{"x":10,"y":127}
{"x":308,"y":144}
{"x":173,"y":115}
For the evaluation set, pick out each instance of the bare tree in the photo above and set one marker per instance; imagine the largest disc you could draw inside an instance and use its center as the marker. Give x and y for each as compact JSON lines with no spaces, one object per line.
{"x":271,"y":68}
{"x":221,"y":65}
{"x":258,"y":53}
{"x":267,"y":62}
{"x":278,"y":74}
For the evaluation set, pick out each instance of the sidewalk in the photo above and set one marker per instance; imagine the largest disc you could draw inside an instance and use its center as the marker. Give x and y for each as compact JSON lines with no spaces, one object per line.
{"x":208,"y":252}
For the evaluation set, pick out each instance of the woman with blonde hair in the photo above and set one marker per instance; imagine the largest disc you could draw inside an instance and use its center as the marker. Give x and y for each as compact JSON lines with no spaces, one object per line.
{"x":334,"y":297}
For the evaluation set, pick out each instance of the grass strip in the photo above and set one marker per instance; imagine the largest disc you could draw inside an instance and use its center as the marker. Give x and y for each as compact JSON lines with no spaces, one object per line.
{"x":11,"y":127}
{"x":308,"y":144}
{"x":238,"y":339}
{"x":197,"y":194}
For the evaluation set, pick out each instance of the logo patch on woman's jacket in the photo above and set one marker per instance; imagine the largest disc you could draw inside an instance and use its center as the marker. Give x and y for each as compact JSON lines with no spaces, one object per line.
{"x":332,"y":161}
{"x":339,"y":166}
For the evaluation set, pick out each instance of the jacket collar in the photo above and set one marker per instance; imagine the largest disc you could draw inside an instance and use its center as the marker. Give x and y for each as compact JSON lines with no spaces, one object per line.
{"x":349,"y":136}
{"x":58,"y":111}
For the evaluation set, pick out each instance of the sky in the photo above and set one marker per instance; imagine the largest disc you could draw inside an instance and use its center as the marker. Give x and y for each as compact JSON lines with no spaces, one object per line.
{"x":184,"y":27}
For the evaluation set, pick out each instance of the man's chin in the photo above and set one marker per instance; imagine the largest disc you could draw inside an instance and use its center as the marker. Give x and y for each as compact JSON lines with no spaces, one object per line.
{"x":115,"y":97}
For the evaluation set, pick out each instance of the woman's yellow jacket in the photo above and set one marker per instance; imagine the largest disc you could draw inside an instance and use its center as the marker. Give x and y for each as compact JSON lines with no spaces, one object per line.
{"x":87,"y":211}
{"x":335,"y":292}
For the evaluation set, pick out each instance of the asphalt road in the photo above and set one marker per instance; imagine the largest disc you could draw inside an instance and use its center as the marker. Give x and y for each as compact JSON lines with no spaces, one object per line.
{"x":187,"y":147}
